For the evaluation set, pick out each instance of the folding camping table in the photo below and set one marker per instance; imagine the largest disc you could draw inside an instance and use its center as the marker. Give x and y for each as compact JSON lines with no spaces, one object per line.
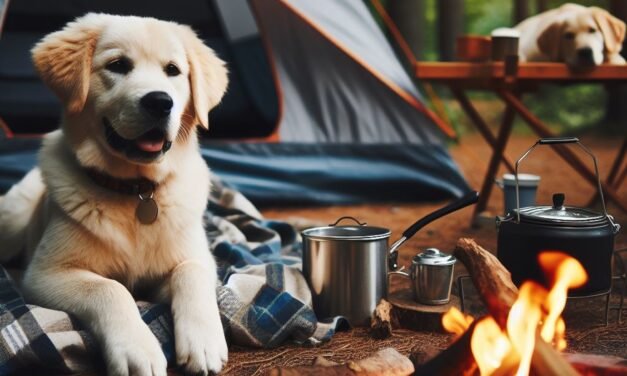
{"x":509,"y":80}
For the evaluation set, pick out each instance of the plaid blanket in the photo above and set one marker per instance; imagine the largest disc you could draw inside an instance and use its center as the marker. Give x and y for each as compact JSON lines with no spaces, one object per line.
{"x":264,"y":299}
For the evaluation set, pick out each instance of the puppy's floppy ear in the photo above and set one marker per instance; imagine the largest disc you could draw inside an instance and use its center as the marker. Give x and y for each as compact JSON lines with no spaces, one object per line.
{"x":612,"y":28}
{"x":63,"y":60}
{"x":207,"y":76}
{"x":549,"y":41}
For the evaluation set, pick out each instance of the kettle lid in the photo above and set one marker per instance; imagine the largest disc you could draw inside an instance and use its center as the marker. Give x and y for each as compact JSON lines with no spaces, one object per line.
{"x":433,"y":256}
{"x":560,"y":214}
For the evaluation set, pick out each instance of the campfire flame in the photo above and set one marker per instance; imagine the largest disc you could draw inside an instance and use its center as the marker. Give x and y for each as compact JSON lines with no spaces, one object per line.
{"x":454,"y":321}
{"x":523,"y":320}
{"x":535,"y":312}
{"x":489,"y":346}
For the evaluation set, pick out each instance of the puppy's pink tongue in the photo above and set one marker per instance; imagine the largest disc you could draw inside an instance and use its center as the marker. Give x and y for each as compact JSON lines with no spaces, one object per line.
{"x":150,"y":146}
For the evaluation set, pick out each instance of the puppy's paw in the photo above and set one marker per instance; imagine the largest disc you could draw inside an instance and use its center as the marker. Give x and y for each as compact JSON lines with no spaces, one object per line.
{"x":200,"y":345}
{"x":136,"y":352}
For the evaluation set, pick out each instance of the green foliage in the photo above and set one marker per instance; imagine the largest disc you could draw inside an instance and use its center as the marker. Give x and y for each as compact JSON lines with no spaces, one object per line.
{"x":569,"y":108}
{"x":599,"y":3}
{"x":484,"y":16}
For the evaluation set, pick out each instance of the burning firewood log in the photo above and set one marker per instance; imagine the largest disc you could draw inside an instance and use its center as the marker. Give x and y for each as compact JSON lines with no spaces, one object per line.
{"x":499,"y":294}
{"x":457,"y":359}
{"x":492,"y":280}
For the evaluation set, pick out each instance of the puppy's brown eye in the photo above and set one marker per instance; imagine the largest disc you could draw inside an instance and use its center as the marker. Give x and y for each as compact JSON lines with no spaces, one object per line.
{"x":121,"y":66}
{"x":172,"y":70}
{"x":592,"y":30}
{"x":569,"y":36}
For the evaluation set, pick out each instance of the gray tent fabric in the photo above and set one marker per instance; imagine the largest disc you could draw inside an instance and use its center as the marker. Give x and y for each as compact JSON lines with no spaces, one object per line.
{"x":248,"y":65}
{"x":237,"y":20}
{"x":352,"y":127}
{"x":340,"y":79}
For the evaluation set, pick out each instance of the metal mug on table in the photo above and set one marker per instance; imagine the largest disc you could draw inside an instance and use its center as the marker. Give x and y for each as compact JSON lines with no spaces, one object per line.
{"x":431,"y":274}
{"x":504,"y":43}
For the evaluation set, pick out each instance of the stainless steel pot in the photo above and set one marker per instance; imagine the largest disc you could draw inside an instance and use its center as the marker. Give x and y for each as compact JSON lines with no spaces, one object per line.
{"x":347,"y":266}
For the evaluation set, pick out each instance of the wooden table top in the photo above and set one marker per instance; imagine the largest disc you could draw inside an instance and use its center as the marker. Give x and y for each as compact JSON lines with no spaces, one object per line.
{"x":546,"y":72}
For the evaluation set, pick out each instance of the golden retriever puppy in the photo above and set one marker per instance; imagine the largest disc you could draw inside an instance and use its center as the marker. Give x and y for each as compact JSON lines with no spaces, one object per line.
{"x":115,"y":207}
{"x":576,"y":35}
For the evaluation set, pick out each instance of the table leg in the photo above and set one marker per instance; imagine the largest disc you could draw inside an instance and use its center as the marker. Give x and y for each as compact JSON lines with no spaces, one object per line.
{"x":564,"y":152}
{"x":614,"y":179}
{"x":488,"y":182}
{"x":621,"y":178}
{"x":611,"y":178}
{"x":479,"y":123}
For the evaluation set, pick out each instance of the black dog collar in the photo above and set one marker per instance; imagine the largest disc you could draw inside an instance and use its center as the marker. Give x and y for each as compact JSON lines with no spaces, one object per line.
{"x":147,"y":209}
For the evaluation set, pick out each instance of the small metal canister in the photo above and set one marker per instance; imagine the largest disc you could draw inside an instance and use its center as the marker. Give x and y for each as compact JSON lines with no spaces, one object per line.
{"x":432,"y":276}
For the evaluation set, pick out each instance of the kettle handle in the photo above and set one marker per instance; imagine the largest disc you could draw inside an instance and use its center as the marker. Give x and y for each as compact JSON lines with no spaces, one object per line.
{"x":559,"y":141}
{"x":467,"y":200}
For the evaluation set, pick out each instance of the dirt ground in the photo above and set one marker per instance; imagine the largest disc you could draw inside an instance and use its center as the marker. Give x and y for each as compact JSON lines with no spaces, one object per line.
{"x":584,"y":318}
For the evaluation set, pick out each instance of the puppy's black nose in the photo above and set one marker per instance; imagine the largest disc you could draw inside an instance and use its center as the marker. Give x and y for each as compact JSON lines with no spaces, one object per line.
{"x":157,"y":103}
{"x":585,"y":55}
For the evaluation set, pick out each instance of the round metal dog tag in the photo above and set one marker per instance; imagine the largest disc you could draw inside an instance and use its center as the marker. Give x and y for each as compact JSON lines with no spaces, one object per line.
{"x":147,"y":211}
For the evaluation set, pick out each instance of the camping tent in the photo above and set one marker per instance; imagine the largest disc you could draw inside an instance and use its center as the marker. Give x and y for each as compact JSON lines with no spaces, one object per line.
{"x":333,"y":115}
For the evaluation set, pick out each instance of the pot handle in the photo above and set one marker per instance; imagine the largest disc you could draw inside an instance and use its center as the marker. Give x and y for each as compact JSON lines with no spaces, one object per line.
{"x":559,"y":141}
{"x":348,"y":217}
{"x":468,"y":199}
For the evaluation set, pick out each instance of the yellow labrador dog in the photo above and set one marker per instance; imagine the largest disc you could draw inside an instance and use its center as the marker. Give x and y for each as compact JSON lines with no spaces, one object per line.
{"x":115,"y":207}
{"x":576,"y":35}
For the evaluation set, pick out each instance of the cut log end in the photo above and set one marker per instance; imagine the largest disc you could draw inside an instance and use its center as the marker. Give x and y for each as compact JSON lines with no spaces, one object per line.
{"x":381,"y":321}
{"x":387,"y":361}
{"x":412,"y":315}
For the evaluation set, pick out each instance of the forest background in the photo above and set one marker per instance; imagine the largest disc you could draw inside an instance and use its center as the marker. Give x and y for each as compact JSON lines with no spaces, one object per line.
{"x":432,"y":26}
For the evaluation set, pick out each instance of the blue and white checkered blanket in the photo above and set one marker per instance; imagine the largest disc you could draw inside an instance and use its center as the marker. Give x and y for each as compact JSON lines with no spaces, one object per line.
{"x":264,"y":300}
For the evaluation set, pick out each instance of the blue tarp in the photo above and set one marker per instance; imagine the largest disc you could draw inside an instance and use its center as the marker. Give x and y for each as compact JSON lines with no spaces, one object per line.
{"x":303,"y":174}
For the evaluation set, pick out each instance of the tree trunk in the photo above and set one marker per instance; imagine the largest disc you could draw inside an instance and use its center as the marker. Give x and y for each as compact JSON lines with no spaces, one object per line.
{"x":521,"y":10}
{"x":542,"y":5}
{"x":409,"y":17}
{"x":619,"y":9}
{"x":616,"y":109}
{"x":450,"y":26}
